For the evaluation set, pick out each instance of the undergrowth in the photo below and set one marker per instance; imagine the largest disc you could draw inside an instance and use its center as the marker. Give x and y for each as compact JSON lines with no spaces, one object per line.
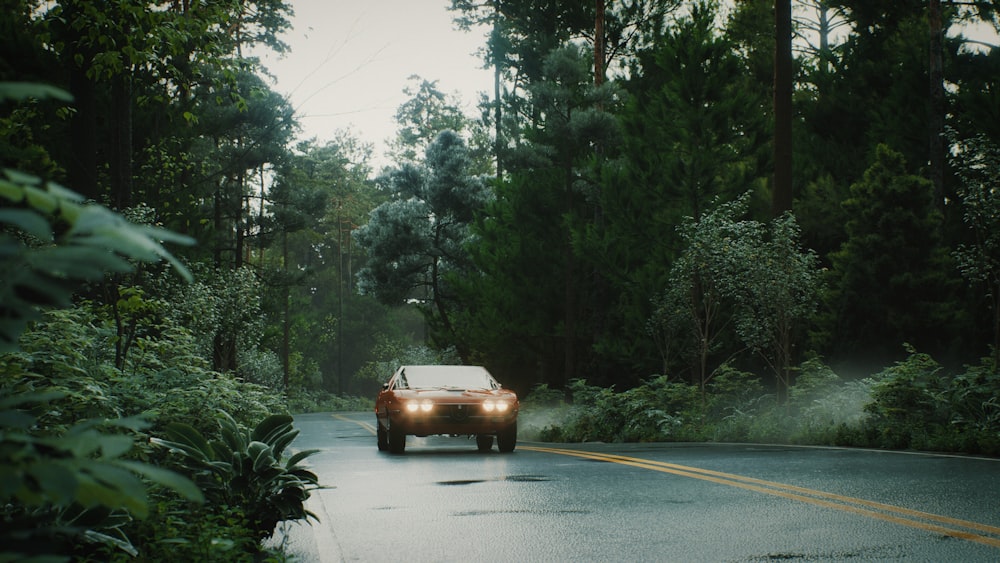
{"x":914,"y":404}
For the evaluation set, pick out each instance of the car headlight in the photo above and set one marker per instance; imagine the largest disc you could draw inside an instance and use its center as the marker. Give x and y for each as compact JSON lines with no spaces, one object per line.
{"x":424,"y":406}
{"x":498,"y":406}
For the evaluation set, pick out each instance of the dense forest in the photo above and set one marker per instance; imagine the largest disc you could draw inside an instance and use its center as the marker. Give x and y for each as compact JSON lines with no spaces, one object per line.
{"x":687,"y":220}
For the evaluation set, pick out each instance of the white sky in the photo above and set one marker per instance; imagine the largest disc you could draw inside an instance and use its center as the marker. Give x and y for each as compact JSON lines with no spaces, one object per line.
{"x":349,"y":61}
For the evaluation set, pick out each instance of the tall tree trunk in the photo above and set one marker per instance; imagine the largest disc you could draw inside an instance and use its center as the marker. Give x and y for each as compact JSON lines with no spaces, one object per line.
{"x":240,"y":224}
{"x":781,"y":195}
{"x":82,"y":167}
{"x":286,"y":332}
{"x":570,"y":294}
{"x":824,"y":25}
{"x":599,"y":43}
{"x":121,"y":140}
{"x":936,"y":155}
{"x":497,"y":107}
{"x":341,"y":289}
{"x":217,"y":223}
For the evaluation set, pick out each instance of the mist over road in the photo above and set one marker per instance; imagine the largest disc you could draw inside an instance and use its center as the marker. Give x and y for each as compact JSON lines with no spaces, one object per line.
{"x":443,"y":501}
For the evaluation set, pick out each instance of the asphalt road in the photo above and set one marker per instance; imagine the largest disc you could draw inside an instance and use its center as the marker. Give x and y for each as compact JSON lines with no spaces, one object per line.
{"x":443,"y":501}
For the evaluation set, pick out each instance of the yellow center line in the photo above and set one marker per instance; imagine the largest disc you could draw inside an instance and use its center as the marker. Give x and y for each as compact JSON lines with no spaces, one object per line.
{"x":366,"y":425}
{"x":888,"y":512}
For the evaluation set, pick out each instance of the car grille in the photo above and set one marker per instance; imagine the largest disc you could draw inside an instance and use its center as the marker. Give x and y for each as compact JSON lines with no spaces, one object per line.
{"x":459,"y":413}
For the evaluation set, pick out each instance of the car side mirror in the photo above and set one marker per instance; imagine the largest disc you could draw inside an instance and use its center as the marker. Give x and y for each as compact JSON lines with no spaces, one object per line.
{"x":385,"y":386}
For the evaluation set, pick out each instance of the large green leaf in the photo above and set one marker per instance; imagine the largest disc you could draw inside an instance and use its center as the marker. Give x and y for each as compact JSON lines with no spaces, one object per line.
{"x":261,"y":455}
{"x":28,"y":221}
{"x":77,"y":262}
{"x":187,"y":439}
{"x":299,"y":456}
{"x":20,"y":91}
{"x":167,"y":478}
{"x":233,"y":438}
{"x":102,"y":484}
{"x":270,"y":425}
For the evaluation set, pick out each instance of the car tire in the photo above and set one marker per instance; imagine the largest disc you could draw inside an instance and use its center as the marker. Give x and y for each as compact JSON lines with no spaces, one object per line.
{"x":383,"y":438}
{"x":397,"y":439}
{"x":484,"y":442}
{"x":507,"y":438}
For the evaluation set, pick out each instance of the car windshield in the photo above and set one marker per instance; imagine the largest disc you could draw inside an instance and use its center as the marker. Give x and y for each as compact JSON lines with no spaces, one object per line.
{"x":446,"y":377}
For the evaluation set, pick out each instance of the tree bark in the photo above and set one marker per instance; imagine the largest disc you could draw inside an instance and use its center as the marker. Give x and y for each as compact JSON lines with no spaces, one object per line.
{"x":936,"y":155}
{"x":82,"y":167}
{"x":497,"y":109}
{"x":599,"y":43}
{"x":781,"y":195}
{"x":121,"y":141}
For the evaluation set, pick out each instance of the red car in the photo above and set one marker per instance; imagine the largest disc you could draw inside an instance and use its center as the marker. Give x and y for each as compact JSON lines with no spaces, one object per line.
{"x":452,"y":400}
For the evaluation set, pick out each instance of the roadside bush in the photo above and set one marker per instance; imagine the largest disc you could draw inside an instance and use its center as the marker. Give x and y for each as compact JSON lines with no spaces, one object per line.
{"x":735,"y":401}
{"x":915,"y":404}
{"x":246,"y":469}
{"x":657,"y":410}
{"x":317,"y":400}
{"x":909,"y":409}
{"x":975,"y":400}
{"x":543,"y":414}
{"x":177,"y":530}
{"x":827,"y":410}
{"x":60,"y":354}
{"x":71,"y":487}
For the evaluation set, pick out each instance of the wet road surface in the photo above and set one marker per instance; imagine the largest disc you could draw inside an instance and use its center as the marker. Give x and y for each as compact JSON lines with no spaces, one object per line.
{"x":444,"y":501}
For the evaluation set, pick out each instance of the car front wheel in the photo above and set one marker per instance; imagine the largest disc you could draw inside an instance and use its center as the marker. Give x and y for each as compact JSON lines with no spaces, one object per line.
{"x":507,"y":438}
{"x":484,"y":442}
{"x":383,"y":438}
{"x":397,"y":439}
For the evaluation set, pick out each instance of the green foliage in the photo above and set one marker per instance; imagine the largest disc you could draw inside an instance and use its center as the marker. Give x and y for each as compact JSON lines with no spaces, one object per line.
{"x":61,"y":243}
{"x":220,"y":304}
{"x":318,"y":400}
{"x":916,"y":404}
{"x":61,"y":488}
{"x":426,"y":113}
{"x":912,"y":404}
{"x":416,"y":241}
{"x":891,"y":280}
{"x":247,"y":469}
{"x":657,"y":410}
{"x":69,"y":354}
{"x":176,"y":530}
{"x":978,"y":163}
{"x":167,"y":377}
{"x":739,"y":275}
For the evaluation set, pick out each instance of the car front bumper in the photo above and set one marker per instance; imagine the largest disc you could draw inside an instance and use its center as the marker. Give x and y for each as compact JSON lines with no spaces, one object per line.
{"x":451,"y":419}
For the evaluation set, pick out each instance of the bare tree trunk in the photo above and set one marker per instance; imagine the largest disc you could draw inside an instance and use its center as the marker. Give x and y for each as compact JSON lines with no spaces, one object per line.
{"x":824,"y":37}
{"x":286,"y":337}
{"x":781,"y":196}
{"x":121,"y":140}
{"x":341,"y":287}
{"x":497,"y":109}
{"x":82,"y":167}
{"x":936,"y":155}
{"x":599,"y":43}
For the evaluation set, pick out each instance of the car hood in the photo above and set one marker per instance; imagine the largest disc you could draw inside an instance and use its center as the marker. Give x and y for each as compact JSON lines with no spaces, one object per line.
{"x":456,"y":395}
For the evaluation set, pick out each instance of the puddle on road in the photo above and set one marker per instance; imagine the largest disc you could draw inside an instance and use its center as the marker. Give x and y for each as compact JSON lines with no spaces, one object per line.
{"x":460,"y":482}
{"x":511,"y":478}
{"x":542,"y":512}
